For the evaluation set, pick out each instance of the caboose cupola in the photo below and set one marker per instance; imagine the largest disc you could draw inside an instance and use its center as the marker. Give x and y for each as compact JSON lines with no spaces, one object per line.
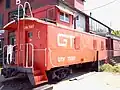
{"x":55,"y":14}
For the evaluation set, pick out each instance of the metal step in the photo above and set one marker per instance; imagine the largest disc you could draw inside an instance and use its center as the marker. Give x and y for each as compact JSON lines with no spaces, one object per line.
{"x":37,"y":72}
{"x":39,"y":79}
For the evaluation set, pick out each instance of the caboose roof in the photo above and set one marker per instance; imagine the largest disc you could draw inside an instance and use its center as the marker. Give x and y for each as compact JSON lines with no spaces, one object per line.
{"x":64,"y":10}
{"x":113,"y":37}
{"x":52,"y":6}
{"x":10,"y":25}
{"x":13,"y":24}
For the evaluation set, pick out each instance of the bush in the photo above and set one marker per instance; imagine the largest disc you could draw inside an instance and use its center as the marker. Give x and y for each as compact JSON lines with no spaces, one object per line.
{"x":106,"y":68}
{"x":116,"y":69}
{"x":110,"y":68}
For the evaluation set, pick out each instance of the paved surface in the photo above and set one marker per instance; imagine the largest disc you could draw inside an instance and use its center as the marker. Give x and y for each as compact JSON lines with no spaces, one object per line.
{"x":91,"y":81}
{"x":1,"y":77}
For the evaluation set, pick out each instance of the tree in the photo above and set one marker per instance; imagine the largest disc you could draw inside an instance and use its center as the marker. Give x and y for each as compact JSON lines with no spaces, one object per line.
{"x":116,"y":32}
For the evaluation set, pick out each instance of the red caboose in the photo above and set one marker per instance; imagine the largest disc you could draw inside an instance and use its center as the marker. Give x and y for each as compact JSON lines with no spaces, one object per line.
{"x":46,"y":50}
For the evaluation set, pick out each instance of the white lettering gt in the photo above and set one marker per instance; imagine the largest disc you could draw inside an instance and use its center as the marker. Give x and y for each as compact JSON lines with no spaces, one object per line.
{"x":64,"y":40}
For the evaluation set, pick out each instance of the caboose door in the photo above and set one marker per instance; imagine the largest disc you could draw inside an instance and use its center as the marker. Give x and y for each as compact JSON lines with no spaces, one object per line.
{"x":29,"y":49}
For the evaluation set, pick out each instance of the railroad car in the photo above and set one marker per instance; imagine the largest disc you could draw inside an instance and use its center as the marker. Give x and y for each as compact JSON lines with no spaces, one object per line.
{"x":44,"y":50}
{"x":114,"y":48}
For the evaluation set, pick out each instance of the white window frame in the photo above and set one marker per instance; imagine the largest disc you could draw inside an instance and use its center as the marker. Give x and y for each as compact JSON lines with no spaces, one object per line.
{"x":64,"y":15}
{"x":79,"y":20}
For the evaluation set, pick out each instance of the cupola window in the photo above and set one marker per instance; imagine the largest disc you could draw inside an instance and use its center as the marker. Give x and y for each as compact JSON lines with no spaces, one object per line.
{"x":64,"y":17}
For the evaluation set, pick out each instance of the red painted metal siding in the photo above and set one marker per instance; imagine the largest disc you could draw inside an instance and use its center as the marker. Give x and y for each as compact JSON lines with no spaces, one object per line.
{"x":63,"y":40}
{"x":48,"y":12}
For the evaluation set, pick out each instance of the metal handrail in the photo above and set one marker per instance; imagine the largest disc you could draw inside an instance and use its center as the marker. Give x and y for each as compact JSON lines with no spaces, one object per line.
{"x":24,"y":10}
{"x":27,"y":3}
{"x":4,"y":52}
{"x":20,"y":5}
{"x":27,"y":55}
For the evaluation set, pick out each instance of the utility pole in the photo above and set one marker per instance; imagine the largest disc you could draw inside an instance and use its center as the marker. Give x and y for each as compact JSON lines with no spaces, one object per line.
{"x":91,"y":20}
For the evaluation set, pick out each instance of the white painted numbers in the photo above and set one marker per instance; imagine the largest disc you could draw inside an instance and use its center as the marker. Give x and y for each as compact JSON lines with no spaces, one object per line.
{"x":61,"y":59}
{"x":68,"y":58}
{"x":71,"y":58}
{"x":31,"y":26}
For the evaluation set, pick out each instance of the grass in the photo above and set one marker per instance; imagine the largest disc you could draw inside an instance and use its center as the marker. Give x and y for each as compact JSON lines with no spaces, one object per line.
{"x":110,"y":68}
{"x":0,"y":68}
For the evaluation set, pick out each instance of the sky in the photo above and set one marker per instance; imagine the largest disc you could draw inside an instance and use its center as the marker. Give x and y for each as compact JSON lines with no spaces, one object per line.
{"x":109,"y":15}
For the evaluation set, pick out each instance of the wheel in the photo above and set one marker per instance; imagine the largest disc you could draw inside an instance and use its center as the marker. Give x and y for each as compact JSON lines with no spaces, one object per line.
{"x":58,"y":75}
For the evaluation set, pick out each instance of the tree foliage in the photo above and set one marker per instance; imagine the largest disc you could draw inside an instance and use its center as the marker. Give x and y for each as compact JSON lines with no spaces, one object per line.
{"x":116,"y":32}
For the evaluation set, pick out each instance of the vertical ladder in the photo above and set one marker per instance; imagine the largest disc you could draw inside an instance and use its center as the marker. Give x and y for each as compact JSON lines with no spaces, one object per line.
{"x":24,"y":14}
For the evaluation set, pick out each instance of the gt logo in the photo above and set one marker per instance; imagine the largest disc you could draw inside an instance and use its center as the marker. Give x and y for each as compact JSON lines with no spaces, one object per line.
{"x":64,"y":40}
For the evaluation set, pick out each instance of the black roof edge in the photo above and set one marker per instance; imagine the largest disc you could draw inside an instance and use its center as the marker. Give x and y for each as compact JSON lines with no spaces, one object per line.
{"x":101,"y":23}
{"x":113,"y":37}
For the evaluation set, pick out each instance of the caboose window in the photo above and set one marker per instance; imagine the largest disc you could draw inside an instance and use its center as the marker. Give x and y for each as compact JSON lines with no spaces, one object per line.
{"x":94,"y":44}
{"x":8,"y":4}
{"x":30,"y":34}
{"x":61,"y":16}
{"x":64,"y":17}
{"x":80,"y":22}
{"x":102,"y":45}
